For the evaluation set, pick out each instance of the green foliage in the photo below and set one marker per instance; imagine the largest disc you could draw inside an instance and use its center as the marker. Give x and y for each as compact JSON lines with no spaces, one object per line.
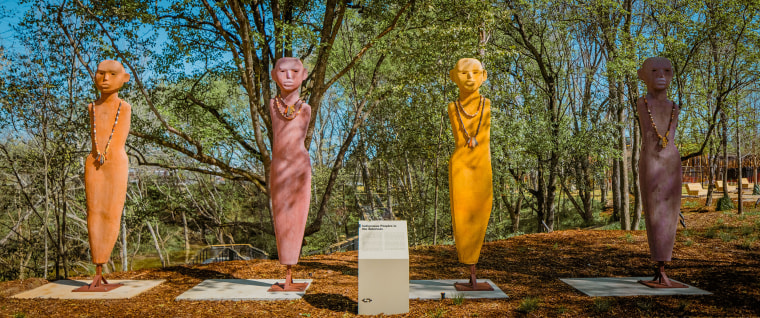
{"x":602,"y":305}
{"x":727,"y":236}
{"x":458,"y":299}
{"x":748,"y":243}
{"x":529,"y":304}
{"x":438,"y":312}
{"x":556,"y":94}
{"x":724,"y":204}
{"x":629,"y":238}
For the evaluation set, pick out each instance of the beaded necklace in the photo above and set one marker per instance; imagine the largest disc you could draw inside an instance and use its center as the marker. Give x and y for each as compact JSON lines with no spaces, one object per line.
{"x":466,"y":114}
{"x":101,"y":157}
{"x":663,"y":139}
{"x":289,"y":113}
{"x":471,"y":141}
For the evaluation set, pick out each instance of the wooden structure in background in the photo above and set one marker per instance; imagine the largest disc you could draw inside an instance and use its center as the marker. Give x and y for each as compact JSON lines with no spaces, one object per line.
{"x":696,"y":170}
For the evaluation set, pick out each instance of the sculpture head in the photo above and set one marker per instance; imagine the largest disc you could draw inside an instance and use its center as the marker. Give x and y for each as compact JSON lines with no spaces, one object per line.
{"x":468,"y":74}
{"x":656,"y":72}
{"x":289,"y":73}
{"x":110,"y":76}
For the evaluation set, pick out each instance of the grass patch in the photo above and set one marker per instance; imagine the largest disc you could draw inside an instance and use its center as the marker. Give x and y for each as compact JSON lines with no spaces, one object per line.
{"x":747,"y":243}
{"x":688,"y":242}
{"x":691,"y":204}
{"x":645,"y":306}
{"x":628,"y":237}
{"x":436,"y":313}
{"x":458,"y":299}
{"x":727,"y":236}
{"x":602,"y":305}
{"x":529,"y":304}
{"x":611,"y":226}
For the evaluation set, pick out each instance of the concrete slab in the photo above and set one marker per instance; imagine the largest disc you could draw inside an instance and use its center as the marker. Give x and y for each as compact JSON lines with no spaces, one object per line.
{"x":432,"y":289}
{"x":626,"y":286}
{"x":63,"y":289}
{"x":240,"y":289}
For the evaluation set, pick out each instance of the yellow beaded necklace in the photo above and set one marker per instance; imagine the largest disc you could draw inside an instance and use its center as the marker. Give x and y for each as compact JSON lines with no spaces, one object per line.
{"x":663,"y":139}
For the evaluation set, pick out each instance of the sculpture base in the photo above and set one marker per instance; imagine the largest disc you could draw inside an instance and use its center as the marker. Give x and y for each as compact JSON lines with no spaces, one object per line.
{"x":658,"y":284}
{"x":98,"y":285}
{"x":470,"y":287}
{"x":292,"y":287}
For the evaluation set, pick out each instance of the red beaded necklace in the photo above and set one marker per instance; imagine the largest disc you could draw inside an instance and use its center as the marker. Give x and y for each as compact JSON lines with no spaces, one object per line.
{"x":289,"y":112}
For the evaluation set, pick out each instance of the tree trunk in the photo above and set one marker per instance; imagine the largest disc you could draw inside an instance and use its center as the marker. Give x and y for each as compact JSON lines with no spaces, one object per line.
{"x":124,"y":254}
{"x":739,"y":184}
{"x":635,"y":154}
{"x":615,"y":189}
{"x":712,"y":166}
{"x":603,"y":190}
{"x":437,"y":186}
{"x":155,"y":243}
{"x":724,"y":144}
{"x":625,"y":201}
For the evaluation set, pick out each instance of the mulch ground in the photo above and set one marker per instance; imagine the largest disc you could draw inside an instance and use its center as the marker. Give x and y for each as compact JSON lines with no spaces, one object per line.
{"x":718,"y":253}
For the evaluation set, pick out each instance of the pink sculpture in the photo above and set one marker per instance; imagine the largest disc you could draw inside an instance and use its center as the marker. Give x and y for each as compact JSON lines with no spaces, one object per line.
{"x":659,"y":165}
{"x":106,"y":168}
{"x":290,"y":174}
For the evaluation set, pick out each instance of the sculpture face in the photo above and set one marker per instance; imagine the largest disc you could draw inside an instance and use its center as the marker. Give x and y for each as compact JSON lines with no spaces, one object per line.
{"x":657,"y":73}
{"x":110,"y":76}
{"x":289,"y":73}
{"x":468,"y":74}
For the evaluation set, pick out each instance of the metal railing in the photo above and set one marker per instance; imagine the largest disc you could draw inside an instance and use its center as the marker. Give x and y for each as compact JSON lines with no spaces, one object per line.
{"x":227,"y":252}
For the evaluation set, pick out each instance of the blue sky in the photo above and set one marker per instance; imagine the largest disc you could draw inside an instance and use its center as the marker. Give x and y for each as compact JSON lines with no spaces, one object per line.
{"x":10,"y":12}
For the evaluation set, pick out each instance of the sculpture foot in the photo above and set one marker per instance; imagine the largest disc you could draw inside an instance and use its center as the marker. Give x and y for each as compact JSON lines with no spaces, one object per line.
{"x":661,"y":280}
{"x":288,"y":285}
{"x":470,"y":287}
{"x":473,"y":284}
{"x":99,"y":283}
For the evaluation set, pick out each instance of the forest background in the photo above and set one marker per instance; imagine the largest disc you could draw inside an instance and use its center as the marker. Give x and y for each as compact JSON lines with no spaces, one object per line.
{"x":562,"y":81}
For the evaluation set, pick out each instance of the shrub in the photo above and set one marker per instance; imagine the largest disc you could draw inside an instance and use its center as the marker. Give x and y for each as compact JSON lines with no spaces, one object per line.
{"x":602,"y":305}
{"x":529,"y":304}
{"x":724,"y":204}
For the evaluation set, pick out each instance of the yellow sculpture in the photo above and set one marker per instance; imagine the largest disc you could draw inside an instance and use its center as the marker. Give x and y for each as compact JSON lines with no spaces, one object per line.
{"x":470,"y":176}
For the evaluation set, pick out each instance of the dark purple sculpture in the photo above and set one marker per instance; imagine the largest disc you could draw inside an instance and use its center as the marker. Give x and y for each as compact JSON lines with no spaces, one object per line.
{"x":659,"y":165}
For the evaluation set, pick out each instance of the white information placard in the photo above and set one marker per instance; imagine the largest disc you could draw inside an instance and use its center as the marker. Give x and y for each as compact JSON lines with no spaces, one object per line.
{"x":383,"y":268}
{"x":383,"y":240}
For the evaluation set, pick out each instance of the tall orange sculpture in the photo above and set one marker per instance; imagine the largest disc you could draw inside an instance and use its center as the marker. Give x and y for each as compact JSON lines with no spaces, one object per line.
{"x":470,"y":175}
{"x":290,"y":174}
{"x":106,"y":168}
{"x":659,"y":165}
